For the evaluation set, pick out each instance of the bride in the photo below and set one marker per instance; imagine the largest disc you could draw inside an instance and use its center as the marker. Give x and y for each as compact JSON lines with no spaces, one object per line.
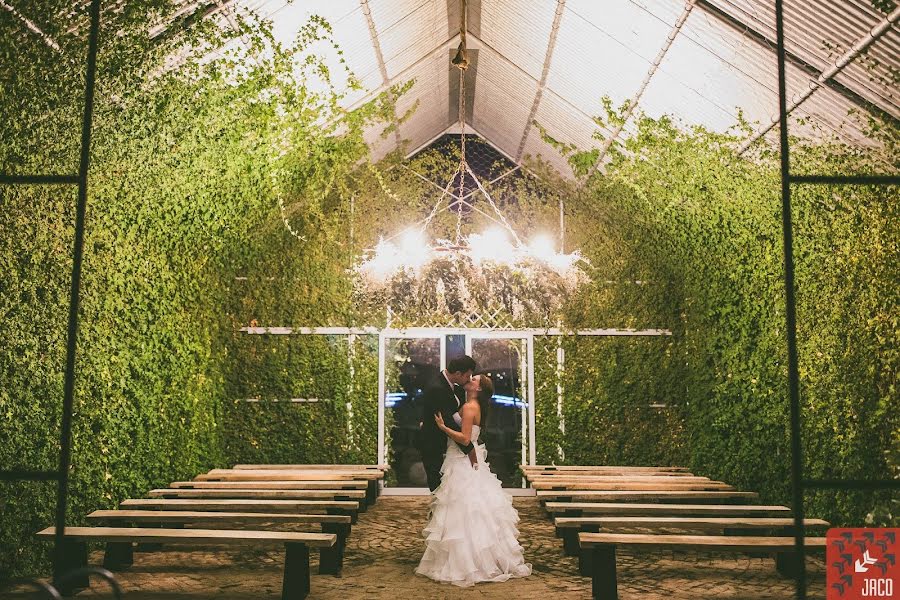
{"x":471,"y":534}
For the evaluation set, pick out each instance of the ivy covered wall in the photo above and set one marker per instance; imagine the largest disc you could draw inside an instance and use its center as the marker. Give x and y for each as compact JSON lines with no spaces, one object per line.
{"x":195,"y":172}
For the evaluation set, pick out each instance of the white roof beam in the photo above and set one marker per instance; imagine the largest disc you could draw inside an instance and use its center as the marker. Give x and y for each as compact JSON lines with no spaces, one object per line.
{"x":548,"y":58}
{"x":376,"y":45}
{"x":654,"y":67}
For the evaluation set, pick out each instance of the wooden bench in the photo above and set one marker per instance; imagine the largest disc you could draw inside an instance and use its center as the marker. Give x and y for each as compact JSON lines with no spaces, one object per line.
{"x":357,"y":495}
{"x":296,"y":562}
{"x":331,"y":507}
{"x":631,"y":485}
{"x":600,"y":469}
{"x":309,"y":467}
{"x":599,"y":552}
{"x":568,"y":528}
{"x":350,"y":484}
{"x":629,"y":509}
{"x":371,"y":476}
{"x":331,"y":559}
{"x":618,"y":478}
{"x":638,"y":496}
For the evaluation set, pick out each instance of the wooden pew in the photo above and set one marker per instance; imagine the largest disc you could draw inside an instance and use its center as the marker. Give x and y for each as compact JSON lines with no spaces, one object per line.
{"x":309,"y":467}
{"x":599,"y":550}
{"x":603,"y":478}
{"x":372,"y":476}
{"x":568,"y":528}
{"x":331,"y":559}
{"x":353,"y":484}
{"x":628,"y":509}
{"x":296,"y":563}
{"x":631,"y":485}
{"x":356,"y":495}
{"x":600,"y":469}
{"x":331,"y":507}
{"x":638,"y":496}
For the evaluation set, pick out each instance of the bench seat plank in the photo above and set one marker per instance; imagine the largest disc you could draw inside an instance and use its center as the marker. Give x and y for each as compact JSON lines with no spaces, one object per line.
{"x":568,"y":527}
{"x":599,"y":552}
{"x":600,"y":467}
{"x":657,"y":496}
{"x":193,"y":536}
{"x":258,"y":494}
{"x":190,"y":516}
{"x":728,"y":543}
{"x":710,"y":486}
{"x":278,"y":473}
{"x":295,"y":583}
{"x":639,"y":509}
{"x":697,"y":522}
{"x":616,"y":478}
{"x":311,"y":467}
{"x":331,"y":560}
{"x":340,"y":507}
{"x":277,"y":476}
{"x":349,"y":484}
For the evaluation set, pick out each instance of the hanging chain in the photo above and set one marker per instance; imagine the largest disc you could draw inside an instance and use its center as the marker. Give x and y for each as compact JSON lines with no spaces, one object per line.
{"x":462,"y":149}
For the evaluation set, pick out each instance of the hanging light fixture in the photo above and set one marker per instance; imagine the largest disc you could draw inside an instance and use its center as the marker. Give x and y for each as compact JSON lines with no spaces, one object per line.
{"x":410,"y":250}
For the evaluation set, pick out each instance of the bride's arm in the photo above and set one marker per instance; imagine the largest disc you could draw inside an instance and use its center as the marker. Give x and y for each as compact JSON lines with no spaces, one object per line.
{"x":468,"y":418}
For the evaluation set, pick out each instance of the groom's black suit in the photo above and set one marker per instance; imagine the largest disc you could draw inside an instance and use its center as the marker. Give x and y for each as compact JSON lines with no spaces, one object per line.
{"x":439,"y":397}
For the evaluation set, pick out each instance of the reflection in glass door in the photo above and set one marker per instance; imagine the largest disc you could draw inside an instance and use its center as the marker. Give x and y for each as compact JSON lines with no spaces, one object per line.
{"x":506,"y":433}
{"x":410,"y":364}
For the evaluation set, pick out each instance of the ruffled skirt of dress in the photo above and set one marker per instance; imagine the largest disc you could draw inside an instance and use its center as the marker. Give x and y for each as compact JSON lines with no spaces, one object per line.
{"x":471,"y":535}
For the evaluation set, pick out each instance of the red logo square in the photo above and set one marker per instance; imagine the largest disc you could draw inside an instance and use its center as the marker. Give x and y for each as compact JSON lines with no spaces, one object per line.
{"x":862,"y":564}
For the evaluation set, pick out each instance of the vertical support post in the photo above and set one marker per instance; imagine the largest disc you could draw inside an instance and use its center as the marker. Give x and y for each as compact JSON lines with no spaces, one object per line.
{"x":65,"y":454}
{"x":351,"y":359}
{"x":790,"y":305}
{"x":443,"y":364}
{"x":532,"y":455}
{"x":382,"y":455}
{"x":603,"y":572}
{"x":560,"y":370}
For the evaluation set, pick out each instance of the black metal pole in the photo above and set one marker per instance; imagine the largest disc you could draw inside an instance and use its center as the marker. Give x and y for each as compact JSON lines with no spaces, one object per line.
{"x":65,"y":453}
{"x":790,"y":312}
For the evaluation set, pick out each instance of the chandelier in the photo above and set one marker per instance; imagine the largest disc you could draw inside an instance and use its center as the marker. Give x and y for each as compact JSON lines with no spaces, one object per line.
{"x":410,"y":251}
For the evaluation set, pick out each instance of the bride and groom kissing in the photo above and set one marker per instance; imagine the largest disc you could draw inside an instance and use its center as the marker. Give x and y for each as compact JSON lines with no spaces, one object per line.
{"x":471,"y":533}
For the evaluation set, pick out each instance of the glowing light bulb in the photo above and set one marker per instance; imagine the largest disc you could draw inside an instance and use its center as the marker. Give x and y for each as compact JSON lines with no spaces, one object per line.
{"x":542,"y":248}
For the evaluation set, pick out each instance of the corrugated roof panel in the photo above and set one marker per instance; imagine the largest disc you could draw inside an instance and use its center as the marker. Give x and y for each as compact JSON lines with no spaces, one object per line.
{"x":566,"y":126}
{"x":595,"y":58}
{"x":431,"y":92}
{"x":519,"y":30}
{"x":503,"y":99}
{"x":408,"y":30}
{"x":535,"y":147}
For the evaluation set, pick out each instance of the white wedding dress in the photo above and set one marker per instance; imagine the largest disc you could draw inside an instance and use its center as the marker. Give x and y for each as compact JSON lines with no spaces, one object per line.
{"x":471,"y":535}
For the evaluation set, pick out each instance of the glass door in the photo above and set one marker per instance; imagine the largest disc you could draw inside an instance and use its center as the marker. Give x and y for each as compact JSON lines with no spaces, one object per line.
{"x":409,"y":362}
{"x":508,"y":431}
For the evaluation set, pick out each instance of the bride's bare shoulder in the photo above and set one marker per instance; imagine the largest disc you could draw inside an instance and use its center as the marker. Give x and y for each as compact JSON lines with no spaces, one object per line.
{"x":471,"y":408}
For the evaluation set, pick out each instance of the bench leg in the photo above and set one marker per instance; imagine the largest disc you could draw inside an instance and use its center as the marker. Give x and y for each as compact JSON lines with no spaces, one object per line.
{"x":789,"y":564}
{"x":570,"y":541}
{"x":372,"y":491}
{"x":340,"y":511}
{"x":585,"y":561}
{"x":331,"y":560}
{"x":363,"y":504}
{"x":296,"y":572}
{"x":603,"y":572}
{"x":74,"y":556}
{"x":119,"y":556}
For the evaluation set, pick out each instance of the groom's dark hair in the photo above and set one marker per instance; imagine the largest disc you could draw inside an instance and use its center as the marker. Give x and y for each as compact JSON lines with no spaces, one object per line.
{"x":461,"y":364}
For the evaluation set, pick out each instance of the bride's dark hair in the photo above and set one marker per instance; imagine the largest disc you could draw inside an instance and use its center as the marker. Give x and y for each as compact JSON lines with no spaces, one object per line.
{"x":484,"y":398}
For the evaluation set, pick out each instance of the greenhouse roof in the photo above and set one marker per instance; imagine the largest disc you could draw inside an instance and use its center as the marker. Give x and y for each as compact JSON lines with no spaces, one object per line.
{"x":552,"y":61}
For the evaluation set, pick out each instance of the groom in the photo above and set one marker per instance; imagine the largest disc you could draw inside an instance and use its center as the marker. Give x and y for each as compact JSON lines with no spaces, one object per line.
{"x":440,"y":397}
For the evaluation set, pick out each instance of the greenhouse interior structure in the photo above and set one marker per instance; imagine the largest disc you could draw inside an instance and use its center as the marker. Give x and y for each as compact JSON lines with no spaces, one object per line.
{"x":449,"y":298}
